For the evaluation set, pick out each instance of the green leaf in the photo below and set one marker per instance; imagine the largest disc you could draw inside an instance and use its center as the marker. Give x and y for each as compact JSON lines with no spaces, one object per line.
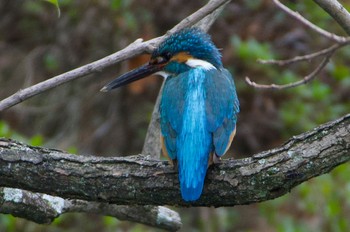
{"x":4,"y":129}
{"x":55,"y":3}
{"x":36,"y":140}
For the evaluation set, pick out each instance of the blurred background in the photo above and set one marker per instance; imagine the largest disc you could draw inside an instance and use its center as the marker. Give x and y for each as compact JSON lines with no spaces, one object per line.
{"x":36,"y":44}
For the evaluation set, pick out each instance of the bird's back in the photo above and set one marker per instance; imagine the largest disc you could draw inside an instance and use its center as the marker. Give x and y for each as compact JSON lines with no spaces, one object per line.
{"x":196,"y":104}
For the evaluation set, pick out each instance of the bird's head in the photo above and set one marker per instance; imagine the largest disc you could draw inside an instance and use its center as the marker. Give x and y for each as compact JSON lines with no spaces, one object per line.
{"x":186,"y":49}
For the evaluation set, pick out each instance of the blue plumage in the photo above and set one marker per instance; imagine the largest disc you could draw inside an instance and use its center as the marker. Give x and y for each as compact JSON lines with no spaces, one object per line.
{"x":193,"y":41}
{"x":199,"y":105}
{"x":196,"y":120}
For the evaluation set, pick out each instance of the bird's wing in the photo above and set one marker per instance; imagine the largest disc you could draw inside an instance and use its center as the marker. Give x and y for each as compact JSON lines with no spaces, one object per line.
{"x":222,"y":107}
{"x":171,"y":109}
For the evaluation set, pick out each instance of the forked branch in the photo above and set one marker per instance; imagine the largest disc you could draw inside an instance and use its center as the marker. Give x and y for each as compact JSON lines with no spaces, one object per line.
{"x":340,"y":42}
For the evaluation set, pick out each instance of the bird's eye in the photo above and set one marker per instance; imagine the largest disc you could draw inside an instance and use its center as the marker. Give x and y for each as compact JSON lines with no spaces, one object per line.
{"x":164,"y":58}
{"x":167,"y":56}
{"x":160,"y":60}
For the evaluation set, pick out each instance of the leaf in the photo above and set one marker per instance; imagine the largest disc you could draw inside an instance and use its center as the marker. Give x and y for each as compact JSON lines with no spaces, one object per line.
{"x":36,"y":140}
{"x":55,"y":2}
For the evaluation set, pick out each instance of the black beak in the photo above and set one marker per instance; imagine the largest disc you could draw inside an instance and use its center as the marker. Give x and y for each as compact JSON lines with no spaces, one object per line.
{"x":132,"y":76}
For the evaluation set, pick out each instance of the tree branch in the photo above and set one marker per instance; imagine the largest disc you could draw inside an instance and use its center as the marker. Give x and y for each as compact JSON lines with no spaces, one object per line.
{"x":137,"y":180}
{"x":305,"y":80}
{"x":340,"y":42}
{"x":203,"y":18}
{"x":43,"y":208}
{"x":307,"y":57}
{"x":136,"y":48}
{"x":337,"y":11}
{"x":309,"y":24}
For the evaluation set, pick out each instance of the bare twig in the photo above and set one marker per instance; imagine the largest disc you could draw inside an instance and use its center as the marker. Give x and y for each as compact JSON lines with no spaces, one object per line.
{"x":327,"y":53}
{"x":310,"y":25}
{"x":305,"y":80}
{"x":136,"y":48}
{"x":208,"y":9}
{"x":305,"y":57}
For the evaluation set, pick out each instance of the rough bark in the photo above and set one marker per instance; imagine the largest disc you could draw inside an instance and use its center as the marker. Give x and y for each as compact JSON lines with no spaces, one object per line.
{"x":43,"y":208}
{"x":137,"y":180}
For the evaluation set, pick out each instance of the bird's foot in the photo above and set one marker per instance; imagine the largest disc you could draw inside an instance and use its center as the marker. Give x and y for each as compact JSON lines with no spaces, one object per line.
{"x":216,"y":159}
{"x":175,"y":167}
{"x":173,"y":163}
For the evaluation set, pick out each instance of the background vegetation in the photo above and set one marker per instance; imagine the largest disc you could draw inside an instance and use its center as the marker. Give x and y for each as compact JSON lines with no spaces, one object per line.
{"x":36,"y":44}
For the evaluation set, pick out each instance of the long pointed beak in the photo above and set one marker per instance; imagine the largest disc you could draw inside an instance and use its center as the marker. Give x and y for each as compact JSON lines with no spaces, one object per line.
{"x":131,"y":76}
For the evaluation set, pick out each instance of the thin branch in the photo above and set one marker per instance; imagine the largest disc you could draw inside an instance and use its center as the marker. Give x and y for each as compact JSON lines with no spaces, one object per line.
{"x":308,"y":57}
{"x":203,"y":12}
{"x":137,"y":180}
{"x":305,"y":80}
{"x":297,"y":16}
{"x":136,"y":48}
{"x":328,"y":52}
{"x":43,"y":209}
{"x":337,"y":11}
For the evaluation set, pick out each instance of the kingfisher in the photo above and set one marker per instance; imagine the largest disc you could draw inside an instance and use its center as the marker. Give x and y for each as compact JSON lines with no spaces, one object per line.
{"x":198,"y":108}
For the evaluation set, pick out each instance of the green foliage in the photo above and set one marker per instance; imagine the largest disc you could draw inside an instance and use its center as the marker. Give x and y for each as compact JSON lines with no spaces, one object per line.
{"x":4,"y":129}
{"x":323,"y":203}
{"x":51,"y":63}
{"x":7,"y":132}
{"x":55,"y":3}
{"x":319,"y":199}
{"x":303,"y":107}
{"x":36,"y":140}
{"x":120,"y":4}
{"x":7,"y":223}
{"x":251,"y":50}
{"x":314,"y":13}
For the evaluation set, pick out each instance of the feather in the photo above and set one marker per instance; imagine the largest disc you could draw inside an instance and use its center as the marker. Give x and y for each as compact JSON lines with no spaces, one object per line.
{"x":198,"y":114}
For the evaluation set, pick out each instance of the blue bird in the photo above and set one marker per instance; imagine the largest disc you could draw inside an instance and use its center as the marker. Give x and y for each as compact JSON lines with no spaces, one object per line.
{"x":199,"y":104}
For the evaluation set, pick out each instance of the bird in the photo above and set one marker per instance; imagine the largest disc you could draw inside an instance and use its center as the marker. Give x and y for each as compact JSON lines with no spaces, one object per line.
{"x":198,"y":108}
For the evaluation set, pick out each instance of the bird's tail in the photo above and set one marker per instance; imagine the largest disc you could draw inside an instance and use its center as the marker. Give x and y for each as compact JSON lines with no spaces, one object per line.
{"x":193,"y":164}
{"x":194,"y":143}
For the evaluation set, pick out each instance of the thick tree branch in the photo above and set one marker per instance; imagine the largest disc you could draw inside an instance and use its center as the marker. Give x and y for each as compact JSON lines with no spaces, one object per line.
{"x":202,"y":18}
{"x":43,"y":208}
{"x":140,"y":181}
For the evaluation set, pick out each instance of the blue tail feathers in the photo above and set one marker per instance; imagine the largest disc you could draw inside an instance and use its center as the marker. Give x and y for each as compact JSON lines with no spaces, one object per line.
{"x":192,"y":180}
{"x":194,"y":142}
{"x":197,"y":120}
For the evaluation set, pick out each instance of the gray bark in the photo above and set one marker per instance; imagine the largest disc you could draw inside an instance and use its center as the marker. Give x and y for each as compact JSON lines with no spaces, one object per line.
{"x":337,"y":11}
{"x":137,"y":180}
{"x":43,"y":208}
